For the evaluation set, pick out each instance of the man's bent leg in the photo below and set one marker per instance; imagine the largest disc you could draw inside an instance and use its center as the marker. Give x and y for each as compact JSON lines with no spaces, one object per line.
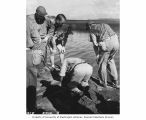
{"x":103,"y":68}
{"x":112,"y":71}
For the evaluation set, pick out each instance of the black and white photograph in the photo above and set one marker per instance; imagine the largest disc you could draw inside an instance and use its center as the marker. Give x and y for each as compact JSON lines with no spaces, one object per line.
{"x":73,"y":57}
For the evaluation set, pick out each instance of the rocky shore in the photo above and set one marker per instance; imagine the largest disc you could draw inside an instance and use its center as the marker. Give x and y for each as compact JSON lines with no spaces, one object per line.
{"x":56,"y":99}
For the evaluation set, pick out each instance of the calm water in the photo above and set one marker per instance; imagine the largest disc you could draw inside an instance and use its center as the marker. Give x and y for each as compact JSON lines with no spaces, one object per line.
{"x":78,"y":45}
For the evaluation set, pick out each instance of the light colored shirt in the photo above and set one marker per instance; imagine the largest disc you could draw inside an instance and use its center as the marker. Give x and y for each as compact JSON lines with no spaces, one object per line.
{"x":36,"y":32}
{"x":68,"y":64}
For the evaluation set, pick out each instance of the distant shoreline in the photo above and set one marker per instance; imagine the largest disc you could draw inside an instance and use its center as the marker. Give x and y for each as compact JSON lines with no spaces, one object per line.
{"x":80,"y":25}
{"x":115,"y":21}
{"x":100,"y":20}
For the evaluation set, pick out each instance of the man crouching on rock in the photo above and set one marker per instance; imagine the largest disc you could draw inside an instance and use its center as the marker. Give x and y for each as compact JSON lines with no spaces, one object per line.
{"x":79,"y":73}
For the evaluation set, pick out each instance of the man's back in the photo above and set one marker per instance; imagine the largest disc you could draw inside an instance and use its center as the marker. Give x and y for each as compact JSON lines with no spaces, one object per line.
{"x":69,"y":64}
{"x":102,"y":30}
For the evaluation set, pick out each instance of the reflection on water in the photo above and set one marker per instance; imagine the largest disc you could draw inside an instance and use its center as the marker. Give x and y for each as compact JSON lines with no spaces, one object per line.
{"x":78,"y":45}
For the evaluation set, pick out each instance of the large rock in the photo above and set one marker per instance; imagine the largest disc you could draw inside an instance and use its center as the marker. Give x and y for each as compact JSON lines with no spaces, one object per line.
{"x":98,"y":100}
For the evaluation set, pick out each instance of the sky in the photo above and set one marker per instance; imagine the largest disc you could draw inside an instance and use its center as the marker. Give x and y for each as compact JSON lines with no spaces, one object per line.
{"x":78,"y":9}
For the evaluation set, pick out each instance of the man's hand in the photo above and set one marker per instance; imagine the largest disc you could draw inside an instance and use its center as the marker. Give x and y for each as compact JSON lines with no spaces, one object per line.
{"x":55,"y":37}
{"x":103,"y":45}
{"x":96,"y":44}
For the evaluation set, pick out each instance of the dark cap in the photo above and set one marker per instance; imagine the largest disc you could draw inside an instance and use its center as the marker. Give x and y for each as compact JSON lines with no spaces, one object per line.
{"x":41,"y":11}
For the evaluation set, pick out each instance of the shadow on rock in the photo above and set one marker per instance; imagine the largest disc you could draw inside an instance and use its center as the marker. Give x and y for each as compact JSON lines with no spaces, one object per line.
{"x":97,"y":100}
{"x":64,"y":102}
{"x":107,"y":107}
{"x":107,"y":100}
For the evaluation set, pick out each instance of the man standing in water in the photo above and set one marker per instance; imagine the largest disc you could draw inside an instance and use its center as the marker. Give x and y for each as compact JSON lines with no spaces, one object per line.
{"x":106,"y":44}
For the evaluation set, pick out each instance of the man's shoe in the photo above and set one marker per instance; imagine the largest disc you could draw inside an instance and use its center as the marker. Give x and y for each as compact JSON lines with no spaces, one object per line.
{"x":115,"y":84}
{"x":105,"y":85}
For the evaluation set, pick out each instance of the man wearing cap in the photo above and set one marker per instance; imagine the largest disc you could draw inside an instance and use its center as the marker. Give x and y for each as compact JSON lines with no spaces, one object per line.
{"x":59,"y":39}
{"x":78,"y":72}
{"x":106,"y":44}
{"x":38,"y":31}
